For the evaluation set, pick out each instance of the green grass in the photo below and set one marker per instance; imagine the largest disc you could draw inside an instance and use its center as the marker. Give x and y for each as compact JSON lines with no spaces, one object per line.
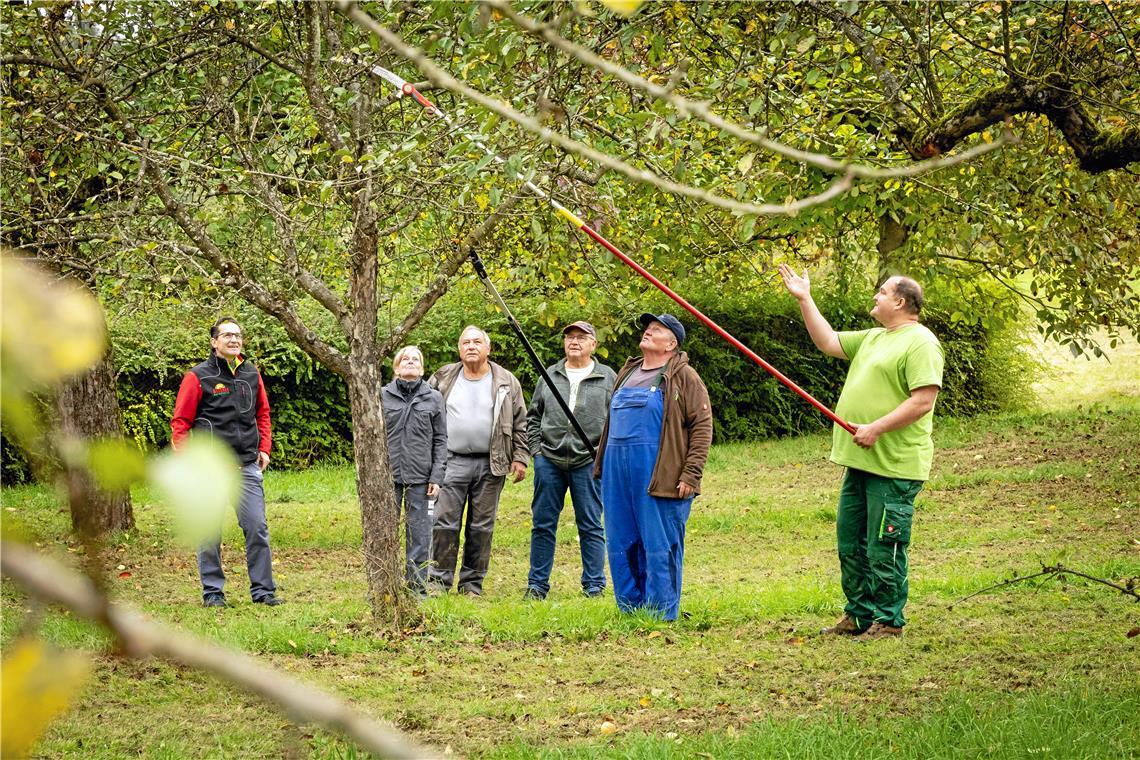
{"x":1040,"y":669}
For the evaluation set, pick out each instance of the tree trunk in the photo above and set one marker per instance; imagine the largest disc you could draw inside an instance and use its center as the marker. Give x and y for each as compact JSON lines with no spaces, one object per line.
{"x":89,"y":409}
{"x":892,"y":236}
{"x":379,"y":520}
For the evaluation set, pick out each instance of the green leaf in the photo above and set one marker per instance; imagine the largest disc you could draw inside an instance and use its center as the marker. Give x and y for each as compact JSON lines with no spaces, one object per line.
{"x":198,"y":482}
{"x":115,"y":464}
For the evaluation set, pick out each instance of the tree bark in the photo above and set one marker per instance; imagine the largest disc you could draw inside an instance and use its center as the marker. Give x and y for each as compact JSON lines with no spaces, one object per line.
{"x":379,"y":518}
{"x":89,"y":409}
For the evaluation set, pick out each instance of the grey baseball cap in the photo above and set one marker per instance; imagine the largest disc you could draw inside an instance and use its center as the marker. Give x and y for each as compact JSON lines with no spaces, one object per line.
{"x":582,"y":325}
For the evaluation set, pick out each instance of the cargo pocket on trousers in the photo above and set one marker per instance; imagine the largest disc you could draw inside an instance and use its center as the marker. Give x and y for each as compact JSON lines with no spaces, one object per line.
{"x":897,"y":519}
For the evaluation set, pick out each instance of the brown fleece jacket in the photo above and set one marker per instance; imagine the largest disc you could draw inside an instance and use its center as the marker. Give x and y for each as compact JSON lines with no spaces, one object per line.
{"x":686,"y":429}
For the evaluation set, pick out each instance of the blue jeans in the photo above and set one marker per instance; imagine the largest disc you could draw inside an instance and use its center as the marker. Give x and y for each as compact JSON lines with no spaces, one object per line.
{"x":550,"y":485}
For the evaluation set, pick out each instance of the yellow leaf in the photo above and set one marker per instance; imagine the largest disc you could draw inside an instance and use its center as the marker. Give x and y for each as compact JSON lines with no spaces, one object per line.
{"x":49,"y":329}
{"x":39,"y":685}
{"x":346,"y":159}
{"x":655,"y":635}
{"x":624,"y":7}
{"x":645,"y":701}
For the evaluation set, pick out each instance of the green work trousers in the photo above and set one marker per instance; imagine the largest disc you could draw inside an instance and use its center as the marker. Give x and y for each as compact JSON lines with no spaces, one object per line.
{"x":873,"y":529}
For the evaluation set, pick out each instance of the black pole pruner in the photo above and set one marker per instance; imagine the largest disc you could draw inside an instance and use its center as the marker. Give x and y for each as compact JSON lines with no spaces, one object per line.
{"x":481,"y":271}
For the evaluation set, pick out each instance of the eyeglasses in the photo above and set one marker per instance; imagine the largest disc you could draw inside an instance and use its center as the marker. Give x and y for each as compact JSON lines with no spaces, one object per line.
{"x":229,"y":335}
{"x":576,"y":338}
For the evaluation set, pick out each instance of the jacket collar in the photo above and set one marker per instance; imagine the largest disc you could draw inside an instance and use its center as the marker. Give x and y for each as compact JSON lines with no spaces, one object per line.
{"x":219,"y":362}
{"x":423,"y":389}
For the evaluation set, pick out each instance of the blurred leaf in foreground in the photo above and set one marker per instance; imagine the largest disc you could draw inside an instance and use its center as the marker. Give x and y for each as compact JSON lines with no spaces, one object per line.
{"x":49,"y":330}
{"x":39,"y":683}
{"x":116,"y":464}
{"x":198,"y":482}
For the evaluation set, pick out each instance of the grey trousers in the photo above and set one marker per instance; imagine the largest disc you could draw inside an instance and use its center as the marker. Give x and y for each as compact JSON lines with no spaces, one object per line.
{"x":468,"y":483}
{"x":411,"y":498}
{"x":258,"y":558}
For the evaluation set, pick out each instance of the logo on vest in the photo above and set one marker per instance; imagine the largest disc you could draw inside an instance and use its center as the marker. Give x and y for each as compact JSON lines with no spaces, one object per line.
{"x":220,"y":388}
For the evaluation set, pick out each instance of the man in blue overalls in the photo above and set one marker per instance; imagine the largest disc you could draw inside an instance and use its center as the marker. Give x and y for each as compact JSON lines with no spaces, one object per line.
{"x":653,"y":448}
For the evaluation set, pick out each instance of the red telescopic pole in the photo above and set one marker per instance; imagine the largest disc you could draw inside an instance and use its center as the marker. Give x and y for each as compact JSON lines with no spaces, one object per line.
{"x":718,"y":329}
{"x":406,"y":88}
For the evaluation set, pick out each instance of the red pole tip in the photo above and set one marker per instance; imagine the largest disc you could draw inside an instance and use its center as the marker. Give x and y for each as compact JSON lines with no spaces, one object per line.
{"x":407,"y":88}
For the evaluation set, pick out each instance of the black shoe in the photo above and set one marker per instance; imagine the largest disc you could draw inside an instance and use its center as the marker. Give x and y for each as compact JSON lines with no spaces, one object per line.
{"x":533,"y":595}
{"x":593,"y":593}
{"x":214,"y":600}
{"x":269,"y":601}
{"x":470,"y":591}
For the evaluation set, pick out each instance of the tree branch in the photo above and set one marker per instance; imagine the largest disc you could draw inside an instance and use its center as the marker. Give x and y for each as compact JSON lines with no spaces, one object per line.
{"x":310,"y":283}
{"x":267,"y":55}
{"x":321,"y":109}
{"x":1057,"y":570}
{"x":232,"y":274}
{"x":853,"y":32}
{"x":446,"y":81}
{"x":442,"y":280}
{"x":1097,"y":150}
{"x":701,"y":110}
{"x":51,"y":582}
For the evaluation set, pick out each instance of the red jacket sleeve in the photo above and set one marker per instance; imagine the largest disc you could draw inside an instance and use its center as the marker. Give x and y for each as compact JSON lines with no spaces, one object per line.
{"x":264,"y":429}
{"x":185,"y":408}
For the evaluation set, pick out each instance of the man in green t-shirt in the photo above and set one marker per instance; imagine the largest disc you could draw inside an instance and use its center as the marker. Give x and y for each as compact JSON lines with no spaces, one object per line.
{"x":889,"y":394}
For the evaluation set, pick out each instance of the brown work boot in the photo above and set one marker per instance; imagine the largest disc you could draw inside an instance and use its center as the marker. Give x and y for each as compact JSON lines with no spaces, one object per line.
{"x":879,"y":631}
{"x":846,"y":626}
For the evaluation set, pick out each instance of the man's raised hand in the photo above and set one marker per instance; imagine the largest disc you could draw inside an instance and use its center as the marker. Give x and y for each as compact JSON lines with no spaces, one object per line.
{"x":799,"y":287}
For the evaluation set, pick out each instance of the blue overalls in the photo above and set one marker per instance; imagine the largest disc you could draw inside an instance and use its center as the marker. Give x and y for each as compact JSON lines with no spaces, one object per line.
{"x":645,"y":535}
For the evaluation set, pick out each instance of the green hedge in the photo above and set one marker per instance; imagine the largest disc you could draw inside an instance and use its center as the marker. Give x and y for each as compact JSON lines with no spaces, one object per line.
{"x":985,"y":370}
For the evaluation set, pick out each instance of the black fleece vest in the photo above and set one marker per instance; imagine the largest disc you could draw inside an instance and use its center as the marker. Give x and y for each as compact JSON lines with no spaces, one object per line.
{"x":228,"y":408}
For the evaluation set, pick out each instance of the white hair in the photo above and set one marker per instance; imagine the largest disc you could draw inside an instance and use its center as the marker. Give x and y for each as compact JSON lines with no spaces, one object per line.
{"x":479,"y":330}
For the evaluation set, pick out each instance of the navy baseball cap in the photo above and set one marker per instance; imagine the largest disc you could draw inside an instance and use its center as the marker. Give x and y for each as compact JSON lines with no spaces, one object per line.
{"x":669,"y":321}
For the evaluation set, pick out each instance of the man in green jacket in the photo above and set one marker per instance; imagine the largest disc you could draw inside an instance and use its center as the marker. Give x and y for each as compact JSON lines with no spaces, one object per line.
{"x":562,"y":461}
{"x":889,"y":395}
{"x":650,"y":459}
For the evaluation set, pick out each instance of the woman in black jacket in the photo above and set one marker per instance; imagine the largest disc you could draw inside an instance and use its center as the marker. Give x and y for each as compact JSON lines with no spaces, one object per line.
{"x":416,"y":422}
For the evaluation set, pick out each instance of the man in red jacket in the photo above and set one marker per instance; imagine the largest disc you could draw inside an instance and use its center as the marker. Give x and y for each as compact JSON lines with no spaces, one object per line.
{"x":225,"y":397}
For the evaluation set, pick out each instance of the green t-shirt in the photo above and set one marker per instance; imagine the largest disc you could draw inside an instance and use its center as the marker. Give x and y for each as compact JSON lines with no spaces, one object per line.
{"x":885,"y":367}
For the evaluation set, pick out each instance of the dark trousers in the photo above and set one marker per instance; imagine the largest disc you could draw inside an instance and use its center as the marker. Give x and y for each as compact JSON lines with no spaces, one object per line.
{"x":411,"y":498}
{"x":873,"y":529}
{"x":550,"y":485}
{"x":468,"y":485}
{"x":258,"y":558}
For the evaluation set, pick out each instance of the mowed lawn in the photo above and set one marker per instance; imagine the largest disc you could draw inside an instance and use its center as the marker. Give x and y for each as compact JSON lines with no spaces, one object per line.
{"x":1038,"y":669}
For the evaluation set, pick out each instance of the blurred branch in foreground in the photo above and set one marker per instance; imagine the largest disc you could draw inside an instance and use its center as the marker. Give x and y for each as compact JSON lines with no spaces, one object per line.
{"x":51,"y":582}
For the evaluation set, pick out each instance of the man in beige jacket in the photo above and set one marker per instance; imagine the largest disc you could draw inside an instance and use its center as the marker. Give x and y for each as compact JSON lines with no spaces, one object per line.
{"x":486,"y":440}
